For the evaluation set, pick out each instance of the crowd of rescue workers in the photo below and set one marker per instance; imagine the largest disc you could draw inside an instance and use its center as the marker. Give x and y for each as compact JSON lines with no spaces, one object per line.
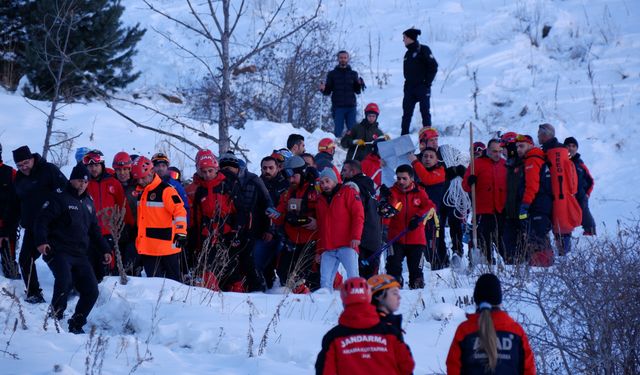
{"x":291,"y":227}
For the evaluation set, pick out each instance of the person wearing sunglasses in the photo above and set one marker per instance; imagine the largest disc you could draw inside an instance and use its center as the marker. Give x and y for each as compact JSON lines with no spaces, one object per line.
{"x":107,"y":194}
{"x":35,"y":180}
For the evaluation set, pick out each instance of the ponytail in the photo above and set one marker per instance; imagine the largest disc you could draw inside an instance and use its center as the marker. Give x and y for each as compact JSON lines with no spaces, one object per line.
{"x":488,"y":337}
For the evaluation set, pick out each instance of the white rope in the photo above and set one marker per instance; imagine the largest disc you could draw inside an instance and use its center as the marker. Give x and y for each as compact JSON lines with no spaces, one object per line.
{"x":455,"y":196}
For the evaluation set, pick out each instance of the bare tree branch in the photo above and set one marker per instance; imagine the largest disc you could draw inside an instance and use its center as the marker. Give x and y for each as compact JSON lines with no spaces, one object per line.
{"x":181,"y":23}
{"x":65,"y":140}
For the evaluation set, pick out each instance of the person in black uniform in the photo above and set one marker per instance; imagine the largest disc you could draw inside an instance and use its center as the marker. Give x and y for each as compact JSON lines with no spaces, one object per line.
{"x":63,"y":230}
{"x":420,"y":68}
{"x":35,"y":180}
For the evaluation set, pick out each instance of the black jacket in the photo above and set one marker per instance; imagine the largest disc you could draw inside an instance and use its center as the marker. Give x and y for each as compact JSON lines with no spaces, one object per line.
{"x":32,"y":190}
{"x":276,"y":186}
{"x":343,"y":85}
{"x":68,"y":223}
{"x":420,"y":67}
{"x":251,"y":199}
{"x":323,"y":160}
{"x":372,"y":230}
{"x":9,"y":210}
{"x":363,"y":130}
{"x":585,"y":181}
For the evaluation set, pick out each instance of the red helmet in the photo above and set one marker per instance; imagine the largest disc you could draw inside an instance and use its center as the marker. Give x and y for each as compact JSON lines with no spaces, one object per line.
{"x":325,"y":144}
{"x":355,"y":290}
{"x":121,"y":160}
{"x":428,"y":133}
{"x":372,"y":107}
{"x":206,"y":159}
{"x":479,"y":146}
{"x":141,"y":168}
{"x":93,"y":157}
{"x":508,"y":137}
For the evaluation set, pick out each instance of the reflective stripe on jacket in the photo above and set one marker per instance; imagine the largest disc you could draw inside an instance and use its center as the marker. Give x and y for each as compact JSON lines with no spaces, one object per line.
{"x":161,"y":215}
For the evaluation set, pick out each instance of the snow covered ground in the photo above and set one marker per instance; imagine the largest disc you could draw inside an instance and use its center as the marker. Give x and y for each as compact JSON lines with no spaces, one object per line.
{"x":584,"y":78}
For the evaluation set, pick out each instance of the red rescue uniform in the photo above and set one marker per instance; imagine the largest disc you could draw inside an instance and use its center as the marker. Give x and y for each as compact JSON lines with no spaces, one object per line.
{"x":341,"y":220}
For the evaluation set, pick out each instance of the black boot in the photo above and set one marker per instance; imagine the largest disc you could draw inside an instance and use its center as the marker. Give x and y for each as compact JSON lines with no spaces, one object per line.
{"x":35,"y":297}
{"x":76,"y":323}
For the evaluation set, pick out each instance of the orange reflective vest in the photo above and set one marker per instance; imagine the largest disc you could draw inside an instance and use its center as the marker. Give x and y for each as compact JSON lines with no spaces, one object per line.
{"x":161,"y":215}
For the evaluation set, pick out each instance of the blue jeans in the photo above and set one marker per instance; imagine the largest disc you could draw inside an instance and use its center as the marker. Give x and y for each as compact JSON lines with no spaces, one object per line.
{"x":264,"y":252}
{"x":330,"y":261}
{"x":342,"y":115}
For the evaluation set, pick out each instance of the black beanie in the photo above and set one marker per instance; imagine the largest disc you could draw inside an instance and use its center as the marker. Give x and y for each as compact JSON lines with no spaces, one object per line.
{"x":22,"y":153}
{"x":488,"y":289}
{"x":571,"y":141}
{"x":412,"y":33}
{"x":79,"y":172}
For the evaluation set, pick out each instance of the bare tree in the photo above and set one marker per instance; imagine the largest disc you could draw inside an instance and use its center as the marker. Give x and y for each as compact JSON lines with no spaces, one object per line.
{"x":216,"y":23}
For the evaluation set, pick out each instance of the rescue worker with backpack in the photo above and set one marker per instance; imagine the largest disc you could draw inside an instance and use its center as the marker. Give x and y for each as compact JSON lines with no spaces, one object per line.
{"x":359,"y":139}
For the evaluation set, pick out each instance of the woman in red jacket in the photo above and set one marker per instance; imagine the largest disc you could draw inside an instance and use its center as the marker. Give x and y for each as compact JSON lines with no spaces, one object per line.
{"x":361,"y":344}
{"x":490,"y":341}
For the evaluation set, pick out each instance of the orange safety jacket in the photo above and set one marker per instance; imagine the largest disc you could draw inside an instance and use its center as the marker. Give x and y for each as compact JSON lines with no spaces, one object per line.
{"x":161,"y":215}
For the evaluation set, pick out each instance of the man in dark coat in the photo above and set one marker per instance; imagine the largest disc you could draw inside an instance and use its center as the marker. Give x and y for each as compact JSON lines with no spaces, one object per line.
{"x":8,"y":220}
{"x":372,"y":232}
{"x":585,"y":186}
{"x":420,"y":68}
{"x":342,"y":84}
{"x":251,"y":199}
{"x":63,"y":230}
{"x":35,"y":180}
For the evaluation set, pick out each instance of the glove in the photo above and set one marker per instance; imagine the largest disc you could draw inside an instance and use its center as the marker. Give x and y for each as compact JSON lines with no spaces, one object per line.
{"x":359,"y":142}
{"x":414,"y":223}
{"x":460,"y":170}
{"x":524,"y":211}
{"x":311,"y":174}
{"x":450,"y":173}
{"x":385,"y":192}
{"x":472,"y":179}
{"x":180,"y":240}
{"x":362,"y":85}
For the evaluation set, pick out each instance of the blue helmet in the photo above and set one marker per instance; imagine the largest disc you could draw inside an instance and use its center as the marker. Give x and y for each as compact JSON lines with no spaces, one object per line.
{"x":80,"y":153}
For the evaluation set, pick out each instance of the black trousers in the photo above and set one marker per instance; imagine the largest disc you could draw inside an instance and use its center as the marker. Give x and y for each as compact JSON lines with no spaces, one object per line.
{"x":588,"y":223}
{"x":167,"y":266}
{"x":242,"y":267}
{"x":490,"y":228}
{"x":421,"y":94}
{"x":297,"y":260}
{"x":72,"y":271}
{"x":8,"y":255}
{"x":513,"y":237}
{"x":413,"y":253}
{"x":436,"y":251}
{"x":28,"y":255}
{"x":537,"y":233}
{"x":448,"y":217}
{"x":372,"y":267}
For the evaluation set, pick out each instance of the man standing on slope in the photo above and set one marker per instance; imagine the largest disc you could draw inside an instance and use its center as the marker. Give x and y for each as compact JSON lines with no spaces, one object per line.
{"x":342,"y":84}
{"x":420,"y":68}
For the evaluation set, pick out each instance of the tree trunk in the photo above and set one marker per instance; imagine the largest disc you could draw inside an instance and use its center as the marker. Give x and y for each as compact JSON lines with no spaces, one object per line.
{"x":225,"y":94}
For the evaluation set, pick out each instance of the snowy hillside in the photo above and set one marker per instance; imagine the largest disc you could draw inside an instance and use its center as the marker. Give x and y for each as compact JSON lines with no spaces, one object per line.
{"x":584,"y":78}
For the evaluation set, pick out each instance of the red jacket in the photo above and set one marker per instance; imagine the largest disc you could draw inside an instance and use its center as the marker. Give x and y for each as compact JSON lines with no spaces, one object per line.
{"x":107,"y":192}
{"x":341,"y":220}
{"x":302,"y":202}
{"x":211,"y":206}
{"x":428,"y":177}
{"x":491,"y":187}
{"x":372,"y":167}
{"x":415,"y":201}
{"x":362,"y":345}
{"x":514,"y":353}
{"x":533,"y":162}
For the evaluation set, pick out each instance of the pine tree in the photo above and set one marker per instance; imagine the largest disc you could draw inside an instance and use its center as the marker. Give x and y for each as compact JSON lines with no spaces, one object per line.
{"x":12,"y":41}
{"x":77,"y":49}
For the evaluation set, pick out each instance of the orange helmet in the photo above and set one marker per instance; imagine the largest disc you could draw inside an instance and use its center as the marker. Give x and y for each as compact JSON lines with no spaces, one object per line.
{"x":427,"y":133}
{"x":372,"y":107}
{"x":355,"y":290}
{"x":325,"y":144}
{"x":141,"y":168}
{"x":379,"y":283}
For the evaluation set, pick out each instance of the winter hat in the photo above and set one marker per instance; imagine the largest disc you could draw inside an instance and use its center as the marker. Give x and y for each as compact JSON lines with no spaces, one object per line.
{"x":330,"y":174}
{"x":22,"y":153}
{"x":547,"y":129}
{"x":206,"y":159}
{"x":80,"y":153}
{"x":412,"y":33}
{"x":229,"y":159}
{"x":79,"y":172}
{"x":488,"y":290}
{"x":355,"y":290}
{"x":567,"y":141}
